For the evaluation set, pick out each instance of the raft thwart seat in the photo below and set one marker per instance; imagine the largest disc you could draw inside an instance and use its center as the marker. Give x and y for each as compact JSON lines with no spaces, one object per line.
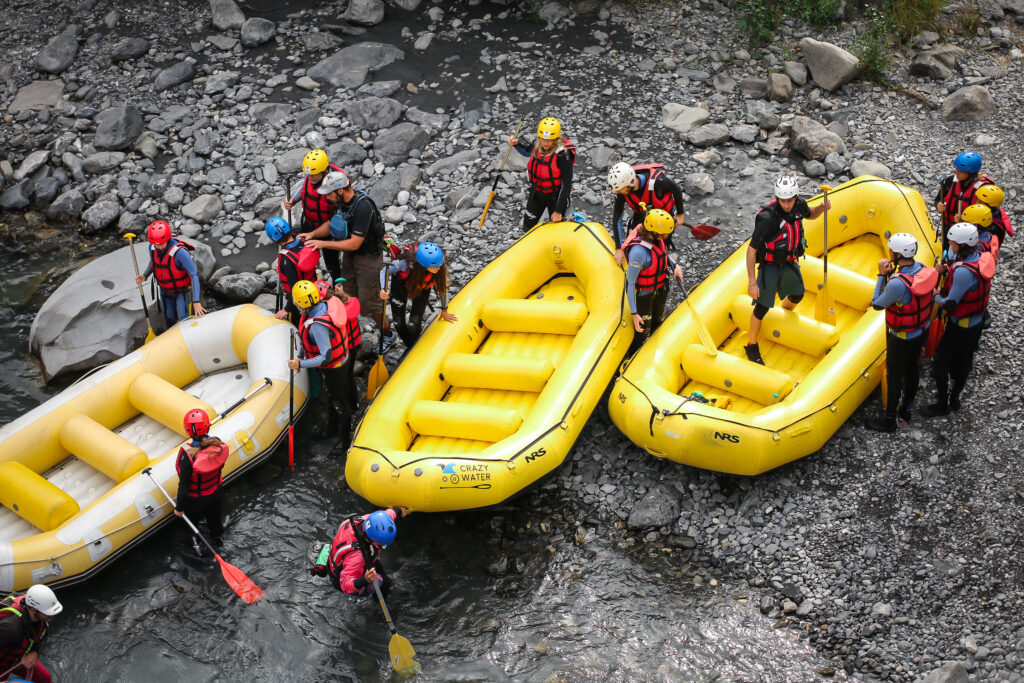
{"x":463,"y":420}
{"x":33,"y":498}
{"x":496,"y":372}
{"x":101,"y":448}
{"x":788,"y":328}
{"x":736,"y":375}
{"x":534,"y":315}
{"x":164,"y":402}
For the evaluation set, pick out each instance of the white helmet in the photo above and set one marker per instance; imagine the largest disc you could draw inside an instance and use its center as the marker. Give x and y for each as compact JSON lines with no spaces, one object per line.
{"x":41,"y":598}
{"x":786,"y":187}
{"x":621,"y":176}
{"x":963,"y":233}
{"x":335,"y":180}
{"x":903,"y":244}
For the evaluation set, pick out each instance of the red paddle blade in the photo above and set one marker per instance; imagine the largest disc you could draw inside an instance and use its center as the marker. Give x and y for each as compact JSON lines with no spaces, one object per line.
{"x":239,"y":582}
{"x":934,"y":337}
{"x":704,"y":231}
{"x":291,"y":448}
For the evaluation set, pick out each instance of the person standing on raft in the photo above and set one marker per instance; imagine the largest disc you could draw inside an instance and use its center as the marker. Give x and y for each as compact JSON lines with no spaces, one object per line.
{"x":414,"y":273}
{"x":175,"y":271}
{"x":200,"y":481}
{"x":906,"y":295}
{"x":353,"y":558}
{"x":964,"y":298}
{"x":640,"y":186}
{"x":549,"y":169}
{"x":316,"y":210}
{"x":650,"y":267}
{"x":778,"y":241}
{"x":24,"y":622}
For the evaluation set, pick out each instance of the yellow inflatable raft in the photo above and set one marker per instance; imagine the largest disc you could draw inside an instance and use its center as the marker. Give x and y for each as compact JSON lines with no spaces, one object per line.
{"x":71,"y":487}
{"x":816,"y":374}
{"x":484,"y":407}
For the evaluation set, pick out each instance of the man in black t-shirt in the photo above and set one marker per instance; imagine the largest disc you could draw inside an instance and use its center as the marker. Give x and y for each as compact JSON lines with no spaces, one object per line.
{"x":777,"y":242}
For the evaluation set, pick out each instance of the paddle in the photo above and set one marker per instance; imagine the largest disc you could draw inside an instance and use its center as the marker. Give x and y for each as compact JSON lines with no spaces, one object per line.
{"x":291,"y":402}
{"x":497,"y":176}
{"x":825,"y":303}
{"x":145,"y":309}
{"x":702,"y":231}
{"x":236,"y":579}
{"x":379,"y":372}
{"x":400,"y":649}
{"x":706,"y":340}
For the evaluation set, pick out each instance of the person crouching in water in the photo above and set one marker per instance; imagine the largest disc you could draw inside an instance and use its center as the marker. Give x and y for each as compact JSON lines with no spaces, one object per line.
{"x":906,"y":296}
{"x":353,"y":558}
{"x":418,"y":270}
{"x":648,"y":273}
{"x":325,"y":343}
{"x":200,"y":482}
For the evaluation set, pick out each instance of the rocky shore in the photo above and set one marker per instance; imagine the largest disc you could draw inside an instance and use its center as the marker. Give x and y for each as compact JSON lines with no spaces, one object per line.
{"x":895,"y":556}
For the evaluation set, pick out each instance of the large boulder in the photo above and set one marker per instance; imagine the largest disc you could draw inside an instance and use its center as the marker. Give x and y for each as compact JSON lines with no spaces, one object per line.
{"x":950,"y":672}
{"x":102,"y":213}
{"x":708,"y":135}
{"x":394,"y":145}
{"x":67,"y":206}
{"x":59,"y":53}
{"x":936,"y":61}
{"x":972,"y":103}
{"x":656,"y":509}
{"x":257,"y":31}
{"x":830,"y":65}
{"x":345,"y":153}
{"x":93,"y":317}
{"x":683,"y":119}
{"x":203,"y":208}
{"x":349,"y":66}
{"x":865,"y":167}
{"x":405,"y":177}
{"x":239,"y":288}
{"x":364,"y":12}
{"x":118,"y":127}
{"x":373,"y":113}
{"x":226,"y":15}
{"x":814,"y":140}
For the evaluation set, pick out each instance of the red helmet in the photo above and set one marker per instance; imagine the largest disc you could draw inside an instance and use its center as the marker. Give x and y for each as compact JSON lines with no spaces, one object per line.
{"x":197,"y":422}
{"x":158,"y":232}
{"x":323,"y":287}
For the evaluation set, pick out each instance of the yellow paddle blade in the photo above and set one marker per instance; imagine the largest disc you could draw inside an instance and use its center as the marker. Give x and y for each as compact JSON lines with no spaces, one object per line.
{"x":378,"y":376}
{"x":403,"y":656}
{"x":149,"y":336}
{"x":825,"y":306}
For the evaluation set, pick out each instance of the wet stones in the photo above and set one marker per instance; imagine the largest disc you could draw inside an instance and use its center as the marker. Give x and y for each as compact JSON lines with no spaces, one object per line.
{"x":239,"y":287}
{"x":32,"y":163}
{"x":256,"y":31}
{"x":656,"y":509}
{"x":270,"y":113}
{"x":129,"y":48}
{"x":364,"y":12}
{"x":59,"y":53}
{"x":830,"y":65}
{"x":174,"y":75}
{"x":350,"y":66}
{"x":102,"y":213}
{"x":226,"y":15}
{"x":373,"y":113}
{"x":972,"y":103}
{"x":67,"y":206}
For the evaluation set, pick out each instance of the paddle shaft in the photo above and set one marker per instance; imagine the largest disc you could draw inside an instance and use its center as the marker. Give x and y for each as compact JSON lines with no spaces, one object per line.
{"x":291,"y":402}
{"x":149,"y":473}
{"x":384,"y":607}
{"x":384,"y":314}
{"x":824,"y":259}
{"x":142,"y":295}
{"x":266,"y":383}
{"x":497,"y":176}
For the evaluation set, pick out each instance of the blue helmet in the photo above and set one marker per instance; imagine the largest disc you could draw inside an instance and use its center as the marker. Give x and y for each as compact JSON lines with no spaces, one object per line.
{"x":968,"y":162}
{"x":380,"y":528}
{"x":277,"y":228}
{"x":429,"y":255}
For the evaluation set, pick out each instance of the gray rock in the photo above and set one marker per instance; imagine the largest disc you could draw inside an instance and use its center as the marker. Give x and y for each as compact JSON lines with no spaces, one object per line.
{"x":830,"y":65}
{"x":602,"y":157}
{"x":708,"y":135}
{"x":682,"y":118}
{"x":864,"y":167}
{"x":698,"y":184}
{"x":346,"y":152}
{"x":924,"y":38}
{"x":118,"y":127}
{"x":881,"y":609}
{"x":129,"y":48}
{"x":204,"y":259}
{"x":379,"y":89}
{"x":291,"y":161}
{"x":797,"y":72}
{"x":723,"y":82}
{"x":972,"y":103}
{"x":434,"y":123}
{"x":373,"y":113}
{"x":364,"y":12}
{"x":102,"y":213}
{"x":38,"y":95}
{"x":349,"y":66}
{"x":173,"y":197}
{"x":239,"y":287}
{"x":59,"y":53}
{"x":458,"y":159}
{"x":220,"y":81}
{"x":174,"y":75}
{"x":74,"y":164}
{"x":407,"y":5}
{"x":394,"y":145}
{"x":221,"y":176}
{"x":101,"y":162}
{"x":814,"y":169}
{"x":756,"y":88}
{"x":814,"y":140}
{"x":67,"y":206}
{"x":805,"y":608}
{"x":950,"y":672}
{"x":385,"y":190}
{"x":17,"y":196}
{"x":460,"y":197}
{"x":46,"y":190}
{"x":835,"y":163}
{"x":937,"y":61}
{"x":257,"y":30}
{"x":744,"y":133}
{"x":707,"y":158}
{"x":552,"y":12}
{"x":423,"y":42}
{"x":319,"y":40}
{"x":656,"y":509}
{"x":780,"y":88}
{"x":32,"y":163}
{"x":203,"y":208}
{"x":270,"y":113}
{"x":226,"y":15}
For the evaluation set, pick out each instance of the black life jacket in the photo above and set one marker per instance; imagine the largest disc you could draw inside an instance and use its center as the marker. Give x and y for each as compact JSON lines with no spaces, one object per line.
{"x":32,"y":634}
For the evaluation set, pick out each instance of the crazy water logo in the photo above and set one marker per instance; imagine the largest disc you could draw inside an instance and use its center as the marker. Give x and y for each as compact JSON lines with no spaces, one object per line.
{"x":464,"y":475}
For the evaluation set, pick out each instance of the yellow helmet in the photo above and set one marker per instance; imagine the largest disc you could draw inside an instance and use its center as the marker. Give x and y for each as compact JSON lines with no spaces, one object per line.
{"x":659,"y":222}
{"x":991,"y":195}
{"x":977,"y":214}
{"x":305,"y":294}
{"x":315,"y":162}
{"x":549,"y":128}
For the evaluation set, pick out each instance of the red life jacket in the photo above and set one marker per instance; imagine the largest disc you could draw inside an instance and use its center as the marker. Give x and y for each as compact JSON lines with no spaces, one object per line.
{"x":315,"y":207}
{"x":654,"y":276}
{"x":914,"y":315}
{"x":990,"y":245}
{"x":545,"y":176}
{"x":338,"y":328}
{"x":787,"y":245}
{"x":345,"y":542}
{"x":171,"y":277}
{"x":959,"y":198}
{"x":645,"y":194}
{"x":305,"y":261}
{"x":207,"y":466}
{"x":1001,"y":225}
{"x":975,"y":301}
{"x":409,"y":256}
{"x":355,"y":334}
{"x":31,"y":634}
